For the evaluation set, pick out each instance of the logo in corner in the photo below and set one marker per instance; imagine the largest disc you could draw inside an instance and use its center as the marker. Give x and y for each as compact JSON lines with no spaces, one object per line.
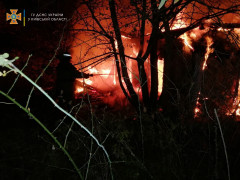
{"x":14,"y":16}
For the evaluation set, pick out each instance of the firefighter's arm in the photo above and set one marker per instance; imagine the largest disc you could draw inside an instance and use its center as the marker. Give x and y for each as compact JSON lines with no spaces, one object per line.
{"x":82,"y":75}
{"x":85,"y":75}
{"x":79,"y":74}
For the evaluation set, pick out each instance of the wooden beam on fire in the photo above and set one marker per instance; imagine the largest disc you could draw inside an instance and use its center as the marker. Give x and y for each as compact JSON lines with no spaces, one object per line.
{"x":178,"y":32}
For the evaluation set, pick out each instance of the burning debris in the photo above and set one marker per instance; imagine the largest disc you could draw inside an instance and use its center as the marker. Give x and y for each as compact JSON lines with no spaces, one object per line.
{"x":105,"y":76}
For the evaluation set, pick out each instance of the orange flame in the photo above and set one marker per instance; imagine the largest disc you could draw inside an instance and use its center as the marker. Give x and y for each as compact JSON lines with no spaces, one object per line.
{"x":79,"y":90}
{"x":208,"y":51}
{"x":114,"y":76}
{"x":197,"y":109}
{"x":92,"y":70}
{"x":238,"y":101}
{"x":223,"y":30}
{"x":187,"y":41}
{"x":238,"y":111}
{"x":125,"y":37}
{"x":85,"y":81}
{"x":160,"y":75}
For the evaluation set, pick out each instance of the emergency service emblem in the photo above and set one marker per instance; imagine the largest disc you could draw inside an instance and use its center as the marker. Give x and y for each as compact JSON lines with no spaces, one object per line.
{"x":13,"y":17}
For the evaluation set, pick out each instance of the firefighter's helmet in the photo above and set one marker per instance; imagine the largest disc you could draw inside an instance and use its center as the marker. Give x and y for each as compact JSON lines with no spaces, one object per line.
{"x":64,"y":56}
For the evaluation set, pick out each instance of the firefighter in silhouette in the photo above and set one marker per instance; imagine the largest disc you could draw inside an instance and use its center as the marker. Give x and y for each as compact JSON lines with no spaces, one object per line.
{"x":65,"y":83}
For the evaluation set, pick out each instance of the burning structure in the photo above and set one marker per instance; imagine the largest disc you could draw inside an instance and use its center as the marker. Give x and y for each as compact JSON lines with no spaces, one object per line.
{"x":157,"y":55}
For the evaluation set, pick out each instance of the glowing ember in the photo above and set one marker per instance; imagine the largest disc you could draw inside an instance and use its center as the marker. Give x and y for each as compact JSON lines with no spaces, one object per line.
{"x":208,"y":51}
{"x":197,"y":110}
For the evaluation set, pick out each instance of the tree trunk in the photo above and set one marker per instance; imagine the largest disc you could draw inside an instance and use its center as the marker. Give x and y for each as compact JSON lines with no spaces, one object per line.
{"x":134,"y":98}
{"x":153,"y":62}
{"x":143,"y":82}
{"x":196,"y":79}
{"x":169,"y":100}
{"x":181,"y":80}
{"x":154,"y":77}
